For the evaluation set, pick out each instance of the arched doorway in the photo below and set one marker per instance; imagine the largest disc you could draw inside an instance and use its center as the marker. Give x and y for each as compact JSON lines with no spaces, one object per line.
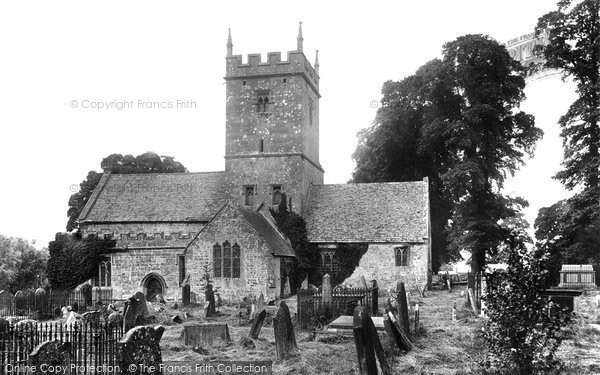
{"x":153,"y":285}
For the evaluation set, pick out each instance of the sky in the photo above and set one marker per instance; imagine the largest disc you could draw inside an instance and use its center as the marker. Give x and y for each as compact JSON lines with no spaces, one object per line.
{"x":61,"y":60}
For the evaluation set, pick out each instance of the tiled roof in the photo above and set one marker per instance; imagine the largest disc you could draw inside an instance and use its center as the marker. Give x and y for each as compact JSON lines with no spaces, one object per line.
{"x":368,"y":212}
{"x":279,"y":245}
{"x":155,"y":197}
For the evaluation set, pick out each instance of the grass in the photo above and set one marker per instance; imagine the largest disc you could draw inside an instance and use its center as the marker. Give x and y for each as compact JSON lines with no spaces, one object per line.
{"x":442,"y":346}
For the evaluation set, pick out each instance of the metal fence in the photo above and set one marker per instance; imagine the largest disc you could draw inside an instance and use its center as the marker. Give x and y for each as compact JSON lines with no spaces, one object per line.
{"x":312,"y":310}
{"x":48,"y":305}
{"x":92,"y":347}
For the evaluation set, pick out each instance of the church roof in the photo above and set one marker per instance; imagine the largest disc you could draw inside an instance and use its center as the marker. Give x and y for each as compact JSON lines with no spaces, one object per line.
{"x":368,"y":212}
{"x":279,"y":244}
{"x":155,"y":197}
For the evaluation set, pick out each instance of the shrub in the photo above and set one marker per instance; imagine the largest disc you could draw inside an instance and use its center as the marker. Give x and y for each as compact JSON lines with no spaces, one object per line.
{"x":523,"y":330}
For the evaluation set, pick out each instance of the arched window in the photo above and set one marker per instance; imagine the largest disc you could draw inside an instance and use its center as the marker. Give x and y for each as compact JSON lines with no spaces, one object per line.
{"x":402,"y":256}
{"x":226,"y":259}
{"x":235,"y":261}
{"x":217,"y":260}
{"x":103,"y":278}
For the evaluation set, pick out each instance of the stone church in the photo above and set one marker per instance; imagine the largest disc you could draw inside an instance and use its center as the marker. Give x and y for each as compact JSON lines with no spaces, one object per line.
{"x":173,"y":229}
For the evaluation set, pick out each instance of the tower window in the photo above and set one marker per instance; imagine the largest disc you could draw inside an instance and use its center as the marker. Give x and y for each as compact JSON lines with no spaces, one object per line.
{"x":261,"y":145}
{"x":284,"y":80}
{"x":276,"y":194}
{"x":402,"y":256}
{"x":310,"y":112}
{"x":262,"y":102}
{"x":243,"y":83}
{"x":249,"y":195}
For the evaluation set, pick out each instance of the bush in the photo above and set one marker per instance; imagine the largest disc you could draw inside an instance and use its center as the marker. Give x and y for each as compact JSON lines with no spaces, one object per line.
{"x":523,"y":330}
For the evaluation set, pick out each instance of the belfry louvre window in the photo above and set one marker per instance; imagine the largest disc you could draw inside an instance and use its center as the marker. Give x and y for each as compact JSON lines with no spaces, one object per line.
{"x":249,"y":195}
{"x":262,"y":101}
{"x":402,"y":256}
{"x":276,"y":194}
{"x":226,"y":260}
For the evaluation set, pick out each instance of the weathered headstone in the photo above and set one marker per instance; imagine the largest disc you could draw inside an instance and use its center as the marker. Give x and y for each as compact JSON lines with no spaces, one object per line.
{"x":206,"y":335}
{"x":416,"y":318}
{"x":209,"y":297}
{"x":285,"y":338}
{"x":454,"y":311}
{"x":20,"y":299}
{"x":287,"y":289}
{"x":257,"y":325}
{"x":133,"y":309}
{"x":394,"y":333}
{"x":139,"y":351}
{"x":52,"y":354}
{"x":368,"y":346}
{"x":403,"y":310}
{"x":327,"y":291}
{"x":115,"y":319}
{"x":193,"y":298}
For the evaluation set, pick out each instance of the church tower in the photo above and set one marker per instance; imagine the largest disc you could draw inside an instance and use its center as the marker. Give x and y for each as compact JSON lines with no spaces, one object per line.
{"x":272,"y":127}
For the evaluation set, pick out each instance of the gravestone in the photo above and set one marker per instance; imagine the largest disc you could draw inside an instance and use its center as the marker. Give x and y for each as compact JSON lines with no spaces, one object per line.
{"x":20,"y":299}
{"x":6,"y":300}
{"x":403,"y":310}
{"x":305,"y":283}
{"x":257,"y":325}
{"x":133,"y":309}
{"x":209,"y":295}
{"x":50,"y":353}
{"x":139,"y":351}
{"x":326,"y":289}
{"x":260,"y":302}
{"x":368,"y":346}
{"x":287,"y":290}
{"x":193,"y":298}
{"x":115,"y":319}
{"x":285,"y":339}
{"x":206,"y":335}
{"x":395,"y":334}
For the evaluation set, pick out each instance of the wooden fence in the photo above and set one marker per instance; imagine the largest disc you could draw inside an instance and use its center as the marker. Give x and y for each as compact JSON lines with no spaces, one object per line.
{"x":48,"y":304}
{"x":312,"y":310}
{"x":92,"y":347}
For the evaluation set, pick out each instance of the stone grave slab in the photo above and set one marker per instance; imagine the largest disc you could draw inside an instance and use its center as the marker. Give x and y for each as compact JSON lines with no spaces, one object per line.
{"x":345,"y":322}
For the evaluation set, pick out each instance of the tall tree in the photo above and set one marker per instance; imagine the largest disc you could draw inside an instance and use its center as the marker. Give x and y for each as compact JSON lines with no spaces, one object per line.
{"x":457,"y":121}
{"x":148,"y":162}
{"x":570,"y":228}
{"x":22,"y":266}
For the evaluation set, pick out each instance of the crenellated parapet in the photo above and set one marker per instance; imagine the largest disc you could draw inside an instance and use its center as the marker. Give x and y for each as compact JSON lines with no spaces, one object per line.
{"x":295,"y":64}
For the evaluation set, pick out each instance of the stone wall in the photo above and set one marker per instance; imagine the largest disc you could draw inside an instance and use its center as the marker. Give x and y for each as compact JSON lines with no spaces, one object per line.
{"x":588,"y":306}
{"x":129,"y":268}
{"x":379,"y":263}
{"x":257,"y":262}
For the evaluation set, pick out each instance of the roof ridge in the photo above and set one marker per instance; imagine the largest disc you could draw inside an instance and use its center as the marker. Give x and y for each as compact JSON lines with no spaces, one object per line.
{"x":165,"y":173}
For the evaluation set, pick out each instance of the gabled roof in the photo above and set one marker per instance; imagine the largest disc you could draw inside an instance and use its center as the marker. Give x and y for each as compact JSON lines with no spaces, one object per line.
{"x":155,"y":197}
{"x":262,"y":223}
{"x":368,"y":212}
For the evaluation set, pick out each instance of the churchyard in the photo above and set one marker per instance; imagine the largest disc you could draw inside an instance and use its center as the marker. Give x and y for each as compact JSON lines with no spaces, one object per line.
{"x":446,"y":338}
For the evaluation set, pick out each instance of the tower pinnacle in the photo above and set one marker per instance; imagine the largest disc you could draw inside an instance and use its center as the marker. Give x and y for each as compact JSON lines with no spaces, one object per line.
{"x":229,"y":44}
{"x":300,"y":39}
{"x":317,"y":62}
